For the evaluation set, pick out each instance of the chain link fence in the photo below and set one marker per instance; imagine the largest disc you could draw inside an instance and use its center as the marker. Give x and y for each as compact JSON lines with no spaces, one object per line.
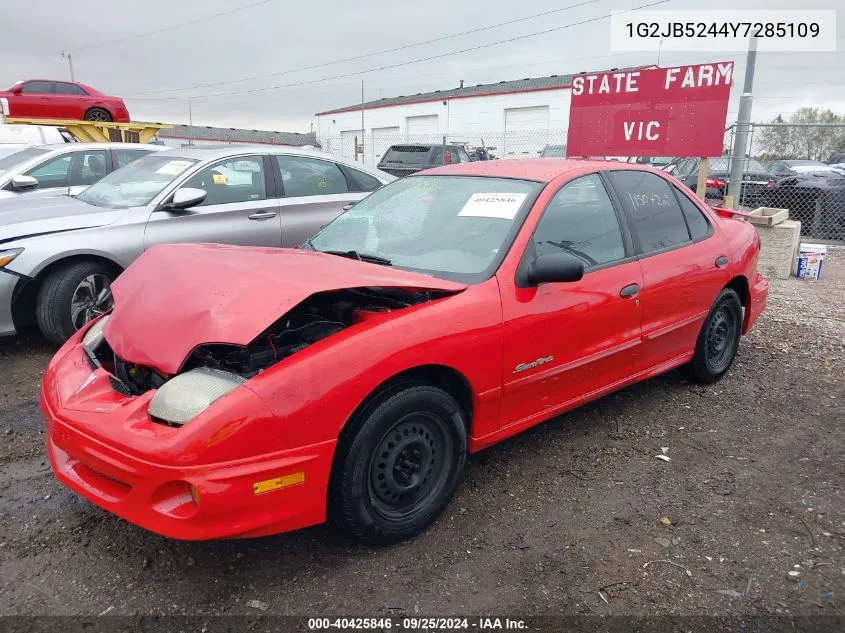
{"x":805,"y":167}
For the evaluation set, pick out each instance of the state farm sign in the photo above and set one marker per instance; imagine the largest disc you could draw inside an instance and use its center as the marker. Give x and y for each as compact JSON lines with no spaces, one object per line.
{"x":677,"y":111}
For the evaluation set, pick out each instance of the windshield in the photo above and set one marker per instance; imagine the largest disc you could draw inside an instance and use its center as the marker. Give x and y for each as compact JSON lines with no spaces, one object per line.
{"x":723,"y":165}
{"x":9,"y":160}
{"x":407,"y":154}
{"x":555,"y":151}
{"x":137,"y":183}
{"x":453,"y":227}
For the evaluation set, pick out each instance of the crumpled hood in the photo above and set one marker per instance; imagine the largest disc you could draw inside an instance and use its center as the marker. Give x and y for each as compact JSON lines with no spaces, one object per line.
{"x":178,"y":296}
{"x":29,"y":216}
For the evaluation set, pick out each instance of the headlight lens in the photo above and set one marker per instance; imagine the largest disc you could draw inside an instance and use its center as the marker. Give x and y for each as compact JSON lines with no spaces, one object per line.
{"x":8,"y":255}
{"x":187,"y":395}
{"x":94,"y":336}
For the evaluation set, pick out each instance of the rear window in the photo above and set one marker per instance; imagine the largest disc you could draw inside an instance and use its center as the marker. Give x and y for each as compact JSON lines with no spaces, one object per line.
{"x":407,"y":154}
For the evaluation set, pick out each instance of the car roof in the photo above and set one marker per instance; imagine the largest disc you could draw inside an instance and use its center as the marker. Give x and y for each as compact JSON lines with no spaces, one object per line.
{"x":214,"y":152}
{"x":76,"y":146}
{"x":539,"y":169}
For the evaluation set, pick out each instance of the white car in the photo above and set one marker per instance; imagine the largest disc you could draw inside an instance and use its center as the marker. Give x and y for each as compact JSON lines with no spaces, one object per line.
{"x":63,"y":169}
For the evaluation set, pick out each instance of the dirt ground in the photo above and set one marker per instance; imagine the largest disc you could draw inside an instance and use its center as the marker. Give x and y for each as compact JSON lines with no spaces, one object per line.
{"x":568,"y":518}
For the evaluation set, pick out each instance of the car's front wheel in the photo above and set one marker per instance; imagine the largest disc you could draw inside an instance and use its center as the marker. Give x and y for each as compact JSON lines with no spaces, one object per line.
{"x":71,"y":296}
{"x":718,"y":340}
{"x":398,"y":465}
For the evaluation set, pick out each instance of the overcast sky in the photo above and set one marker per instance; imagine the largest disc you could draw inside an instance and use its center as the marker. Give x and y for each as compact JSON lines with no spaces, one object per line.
{"x":276,"y":36}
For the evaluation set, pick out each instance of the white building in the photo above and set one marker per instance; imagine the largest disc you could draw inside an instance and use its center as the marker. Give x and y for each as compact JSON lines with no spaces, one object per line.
{"x":519,"y":118}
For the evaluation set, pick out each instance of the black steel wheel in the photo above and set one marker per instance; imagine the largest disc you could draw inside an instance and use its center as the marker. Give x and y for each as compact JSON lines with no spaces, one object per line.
{"x":718,"y":340}
{"x":398,"y":464}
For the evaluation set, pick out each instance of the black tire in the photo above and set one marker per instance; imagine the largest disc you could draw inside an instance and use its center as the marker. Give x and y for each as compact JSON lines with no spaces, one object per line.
{"x":98,"y":114}
{"x":718,"y":341}
{"x":397,"y":466}
{"x":53,"y":304}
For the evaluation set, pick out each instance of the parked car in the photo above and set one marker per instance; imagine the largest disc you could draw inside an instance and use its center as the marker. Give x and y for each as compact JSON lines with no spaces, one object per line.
{"x":789,"y":167}
{"x":553,"y":151}
{"x":48,"y":99}
{"x":404,"y":160}
{"x":660,"y":162}
{"x":837,"y":158}
{"x":243,"y":392}
{"x":58,"y":256}
{"x":816,"y":198}
{"x":755,"y":178}
{"x":24,"y":135}
{"x":66,"y":169}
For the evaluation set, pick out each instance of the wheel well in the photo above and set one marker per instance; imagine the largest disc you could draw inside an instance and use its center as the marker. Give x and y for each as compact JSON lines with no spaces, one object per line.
{"x":26,"y":292}
{"x":739,"y":284}
{"x":450,"y":380}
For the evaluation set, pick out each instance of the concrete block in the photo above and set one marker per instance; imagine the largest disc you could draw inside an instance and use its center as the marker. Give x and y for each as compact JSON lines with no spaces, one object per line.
{"x":766,"y":216}
{"x":778,"y":248}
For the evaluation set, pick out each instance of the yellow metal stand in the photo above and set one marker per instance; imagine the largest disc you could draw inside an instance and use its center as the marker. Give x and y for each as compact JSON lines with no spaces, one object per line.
{"x":100,"y":131}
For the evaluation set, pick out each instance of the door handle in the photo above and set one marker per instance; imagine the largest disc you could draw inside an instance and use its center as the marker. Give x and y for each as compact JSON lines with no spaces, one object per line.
{"x":263,"y":215}
{"x":629,"y":291}
{"x":721,"y":261}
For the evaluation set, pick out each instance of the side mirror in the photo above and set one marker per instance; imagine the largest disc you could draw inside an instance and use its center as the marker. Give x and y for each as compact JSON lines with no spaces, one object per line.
{"x":23,"y":183}
{"x":346,"y":207}
{"x":555,"y":267}
{"x":185,"y":198}
{"x":16,"y":90}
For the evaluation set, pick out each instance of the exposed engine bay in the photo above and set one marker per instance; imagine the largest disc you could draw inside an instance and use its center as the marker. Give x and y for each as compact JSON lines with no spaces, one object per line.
{"x":312,"y":320}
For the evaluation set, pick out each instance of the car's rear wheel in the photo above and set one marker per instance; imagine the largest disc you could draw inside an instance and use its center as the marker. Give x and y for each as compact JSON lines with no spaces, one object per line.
{"x":98,"y":114}
{"x":398,"y":465}
{"x":71,"y":296}
{"x":718,"y":340}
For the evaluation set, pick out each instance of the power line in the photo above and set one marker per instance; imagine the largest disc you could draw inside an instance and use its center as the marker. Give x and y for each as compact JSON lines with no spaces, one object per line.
{"x":406,"y":63}
{"x":364,"y":56}
{"x":172,"y":27}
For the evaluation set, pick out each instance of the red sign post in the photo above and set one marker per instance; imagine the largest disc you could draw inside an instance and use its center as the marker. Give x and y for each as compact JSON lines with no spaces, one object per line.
{"x":676,"y":111}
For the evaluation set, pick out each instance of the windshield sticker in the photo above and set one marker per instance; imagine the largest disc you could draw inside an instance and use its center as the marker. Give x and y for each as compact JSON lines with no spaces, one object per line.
{"x":493,"y":205}
{"x":173,"y":167}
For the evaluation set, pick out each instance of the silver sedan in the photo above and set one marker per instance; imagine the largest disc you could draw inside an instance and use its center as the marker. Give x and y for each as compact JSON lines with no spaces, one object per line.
{"x":63,"y":168}
{"x":59,"y":255}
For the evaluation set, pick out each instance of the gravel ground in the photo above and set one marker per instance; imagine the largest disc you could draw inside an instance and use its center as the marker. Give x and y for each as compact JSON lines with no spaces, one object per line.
{"x":574,"y":516}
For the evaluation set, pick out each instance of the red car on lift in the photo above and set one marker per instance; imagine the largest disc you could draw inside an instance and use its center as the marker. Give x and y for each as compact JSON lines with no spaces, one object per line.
{"x":48,"y":99}
{"x":237,"y":392}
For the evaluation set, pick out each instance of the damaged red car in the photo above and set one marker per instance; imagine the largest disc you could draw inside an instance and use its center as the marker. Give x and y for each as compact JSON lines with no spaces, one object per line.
{"x":239,"y":392}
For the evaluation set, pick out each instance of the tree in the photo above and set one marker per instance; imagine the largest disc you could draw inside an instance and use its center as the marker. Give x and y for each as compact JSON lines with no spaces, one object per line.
{"x":814,"y":139}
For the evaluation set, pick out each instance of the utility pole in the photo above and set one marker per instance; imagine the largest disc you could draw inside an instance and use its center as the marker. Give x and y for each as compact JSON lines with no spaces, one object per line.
{"x":190,"y":123}
{"x":362,"y":120}
{"x":69,"y":63}
{"x":743,"y":125}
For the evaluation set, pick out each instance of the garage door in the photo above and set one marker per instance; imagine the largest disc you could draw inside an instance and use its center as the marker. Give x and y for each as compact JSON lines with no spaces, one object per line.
{"x":422,"y":128}
{"x":384,"y":137}
{"x":526,"y":131}
{"x":347,"y":143}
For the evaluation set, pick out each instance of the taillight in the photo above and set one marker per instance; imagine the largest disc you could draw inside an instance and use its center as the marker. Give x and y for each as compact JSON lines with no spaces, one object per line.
{"x":770,"y":184}
{"x":715,"y":183}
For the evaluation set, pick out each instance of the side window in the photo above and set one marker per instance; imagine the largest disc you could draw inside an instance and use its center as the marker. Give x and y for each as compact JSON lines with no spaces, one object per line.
{"x":462,"y":155}
{"x":304,"y":176}
{"x":580,"y":220}
{"x":68,"y":89}
{"x":234,"y":180}
{"x":699,"y":226}
{"x":653,"y":211}
{"x":52,"y":173}
{"x":126,"y":156}
{"x":683,"y":168}
{"x":436,"y":157}
{"x":37,"y":88}
{"x":364,"y":181}
{"x":87,"y":167}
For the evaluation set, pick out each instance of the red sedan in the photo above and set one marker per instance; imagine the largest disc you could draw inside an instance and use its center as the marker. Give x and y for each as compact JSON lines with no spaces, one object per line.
{"x":47,"y":99}
{"x":237,"y":392}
